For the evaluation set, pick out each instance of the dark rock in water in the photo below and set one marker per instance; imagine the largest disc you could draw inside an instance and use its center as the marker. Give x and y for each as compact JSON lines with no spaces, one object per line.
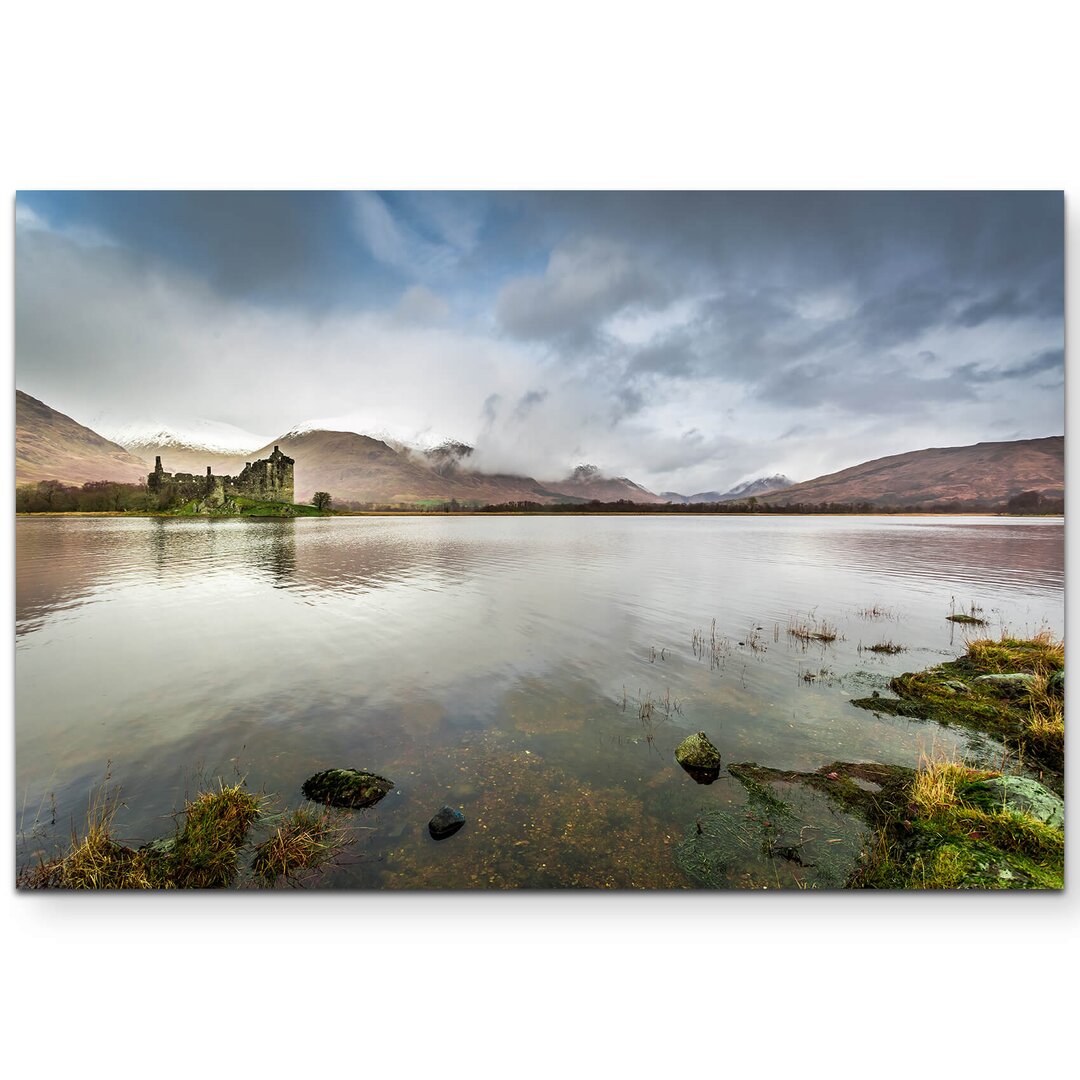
{"x":349,"y":788}
{"x":699,"y":757}
{"x":445,"y":823}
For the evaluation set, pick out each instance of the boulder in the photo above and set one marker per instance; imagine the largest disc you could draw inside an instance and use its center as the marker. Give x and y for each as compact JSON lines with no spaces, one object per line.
{"x":699,"y":757}
{"x":445,"y":823}
{"x":1017,"y":680}
{"x":348,"y":788}
{"x":1019,"y":793}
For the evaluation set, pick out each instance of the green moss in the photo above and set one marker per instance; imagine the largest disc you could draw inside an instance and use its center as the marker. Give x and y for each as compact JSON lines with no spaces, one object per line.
{"x":949,"y":835}
{"x":242,"y":506}
{"x":1021,"y":712}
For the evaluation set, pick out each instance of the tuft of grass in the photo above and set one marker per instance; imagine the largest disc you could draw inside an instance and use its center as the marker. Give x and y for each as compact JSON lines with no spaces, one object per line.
{"x":807,"y":628}
{"x":890,"y":648}
{"x":94,"y":861}
{"x":875,"y":611}
{"x":303,"y":842}
{"x":204,"y":851}
{"x":971,"y":617}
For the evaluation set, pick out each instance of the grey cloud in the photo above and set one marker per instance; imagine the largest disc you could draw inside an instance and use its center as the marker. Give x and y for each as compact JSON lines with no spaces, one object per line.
{"x":672,"y":355}
{"x":1044,"y":362}
{"x":528,"y":402}
{"x":585,"y":283}
{"x":491,"y":407}
{"x":627,"y":402}
{"x":884,"y":390}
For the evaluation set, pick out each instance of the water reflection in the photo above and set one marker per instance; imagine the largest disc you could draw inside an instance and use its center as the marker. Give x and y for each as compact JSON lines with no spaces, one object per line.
{"x":538,"y":673}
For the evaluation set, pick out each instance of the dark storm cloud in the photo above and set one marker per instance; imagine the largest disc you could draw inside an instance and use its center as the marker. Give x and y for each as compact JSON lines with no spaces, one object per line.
{"x":1011,"y":303}
{"x":1047,"y":362}
{"x":279,"y":247}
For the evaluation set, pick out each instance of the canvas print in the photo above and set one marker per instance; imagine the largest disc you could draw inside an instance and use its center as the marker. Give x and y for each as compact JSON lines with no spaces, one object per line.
{"x":444,"y":540}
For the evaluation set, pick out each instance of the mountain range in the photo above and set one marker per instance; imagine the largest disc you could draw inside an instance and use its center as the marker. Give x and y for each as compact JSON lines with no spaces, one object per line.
{"x":748,"y":488}
{"x":357,"y":468}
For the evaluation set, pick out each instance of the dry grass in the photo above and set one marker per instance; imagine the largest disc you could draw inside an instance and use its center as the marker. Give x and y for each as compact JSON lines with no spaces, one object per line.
{"x":807,"y":628}
{"x":303,"y":842}
{"x":936,"y":783}
{"x":203,"y":852}
{"x":888,"y":647}
{"x":94,"y":861}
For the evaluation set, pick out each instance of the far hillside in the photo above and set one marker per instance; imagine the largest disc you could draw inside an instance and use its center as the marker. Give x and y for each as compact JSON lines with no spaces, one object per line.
{"x":52,"y":446}
{"x":983,"y":476}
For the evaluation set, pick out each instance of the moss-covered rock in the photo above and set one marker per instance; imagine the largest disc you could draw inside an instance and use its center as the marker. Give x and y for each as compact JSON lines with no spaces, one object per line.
{"x":697,"y":752}
{"x":699,"y":757}
{"x":1021,"y":794}
{"x":348,"y":788}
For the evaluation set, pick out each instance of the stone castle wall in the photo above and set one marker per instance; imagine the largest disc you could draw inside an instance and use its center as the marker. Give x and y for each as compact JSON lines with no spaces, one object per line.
{"x":270,"y":479}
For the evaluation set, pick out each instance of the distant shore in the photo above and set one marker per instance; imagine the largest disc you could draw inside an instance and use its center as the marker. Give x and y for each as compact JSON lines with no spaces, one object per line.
{"x":576,"y":512}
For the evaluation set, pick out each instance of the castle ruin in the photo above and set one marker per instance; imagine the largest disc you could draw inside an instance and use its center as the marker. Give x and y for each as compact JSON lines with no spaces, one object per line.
{"x":270,"y":480}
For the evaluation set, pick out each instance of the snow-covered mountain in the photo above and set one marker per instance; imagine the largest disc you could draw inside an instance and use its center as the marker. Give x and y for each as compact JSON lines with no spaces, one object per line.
{"x":744,"y":490}
{"x":398,"y":436}
{"x":199,"y":434}
{"x":761,"y":486}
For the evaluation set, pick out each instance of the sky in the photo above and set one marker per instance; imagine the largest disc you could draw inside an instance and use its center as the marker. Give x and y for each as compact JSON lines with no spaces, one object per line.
{"x":687,"y":340}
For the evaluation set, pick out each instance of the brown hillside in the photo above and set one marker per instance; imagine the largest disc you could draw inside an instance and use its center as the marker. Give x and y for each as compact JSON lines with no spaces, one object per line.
{"x":984,"y":475}
{"x":586,"y":483}
{"x":357,"y":468}
{"x":52,"y":446}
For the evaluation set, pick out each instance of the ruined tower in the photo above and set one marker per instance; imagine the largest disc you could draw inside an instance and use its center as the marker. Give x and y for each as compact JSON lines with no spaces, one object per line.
{"x":270,"y":479}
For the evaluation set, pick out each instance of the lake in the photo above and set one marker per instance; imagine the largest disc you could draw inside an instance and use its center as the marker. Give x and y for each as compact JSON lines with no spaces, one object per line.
{"x":537,"y":672}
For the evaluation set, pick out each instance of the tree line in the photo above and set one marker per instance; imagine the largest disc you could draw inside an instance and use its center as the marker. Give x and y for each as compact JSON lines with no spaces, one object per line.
{"x":51,"y":496}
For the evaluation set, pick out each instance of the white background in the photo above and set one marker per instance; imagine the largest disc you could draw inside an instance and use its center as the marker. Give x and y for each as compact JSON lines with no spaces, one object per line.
{"x":502,"y":95}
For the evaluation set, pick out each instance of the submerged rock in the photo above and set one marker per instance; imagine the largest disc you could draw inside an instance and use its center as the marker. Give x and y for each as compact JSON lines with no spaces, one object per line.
{"x":348,"y":788}
{"x":445,"y":823}
{"x":1019,"y":793}
{"x":697,"y":755}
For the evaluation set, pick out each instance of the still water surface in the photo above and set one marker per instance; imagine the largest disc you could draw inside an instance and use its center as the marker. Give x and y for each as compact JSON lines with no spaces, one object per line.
{"x":498,"y":664}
